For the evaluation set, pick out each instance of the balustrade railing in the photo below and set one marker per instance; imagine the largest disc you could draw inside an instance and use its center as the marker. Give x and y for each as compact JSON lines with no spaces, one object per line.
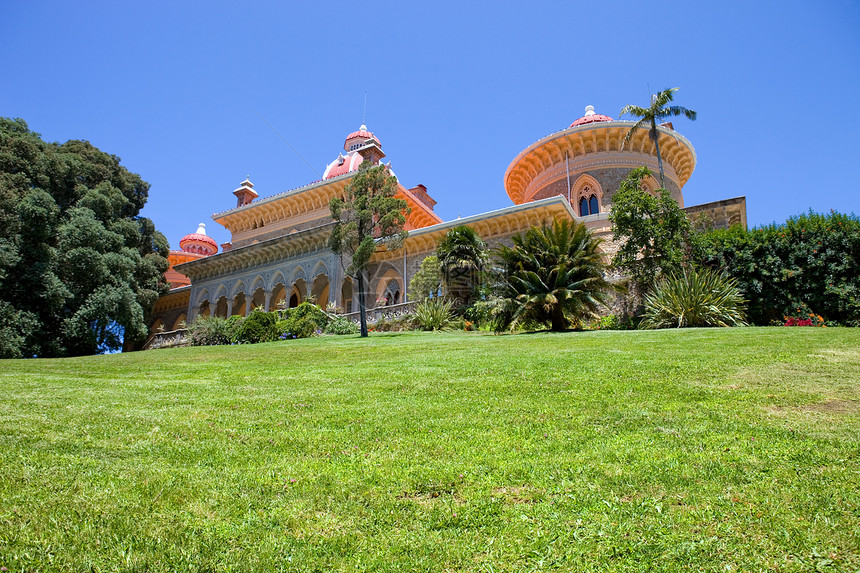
{"x":170,"y":339}
{"x":374,"y":315}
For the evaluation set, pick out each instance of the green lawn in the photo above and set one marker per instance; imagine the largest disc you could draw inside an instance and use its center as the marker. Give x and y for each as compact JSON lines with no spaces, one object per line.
{"x":713,"y":450}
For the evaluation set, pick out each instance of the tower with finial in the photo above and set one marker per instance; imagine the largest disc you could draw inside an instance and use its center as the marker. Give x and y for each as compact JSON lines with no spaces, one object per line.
{"x":245,"y":193}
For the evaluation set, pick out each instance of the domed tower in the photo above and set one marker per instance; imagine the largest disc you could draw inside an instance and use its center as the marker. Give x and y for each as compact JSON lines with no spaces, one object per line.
{"x":359,"y":146}
{"x":587,"y":162}
{"x":191,"y":247}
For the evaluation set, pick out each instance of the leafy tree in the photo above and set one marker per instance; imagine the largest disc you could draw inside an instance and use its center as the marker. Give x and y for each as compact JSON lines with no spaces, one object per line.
{"x":554,"y":275}
{"x":79,"y":268}
{"x":462,"y":255}
{"x":652,"y":231}
{"x":658,"y":111}
{"x":427,"y":282}
{"x":807,"y":264}
{"x":367,"y":217}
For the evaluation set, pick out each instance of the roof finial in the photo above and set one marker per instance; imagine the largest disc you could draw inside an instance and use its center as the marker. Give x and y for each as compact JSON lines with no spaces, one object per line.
{"x":589,"y":110}
{"x":201,"y":230}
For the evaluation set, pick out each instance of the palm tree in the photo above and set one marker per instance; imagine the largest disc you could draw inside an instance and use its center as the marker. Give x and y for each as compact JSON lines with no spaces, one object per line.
{"x":651,"y":115}
{"x":554,"y":274}
{"x":462,"y":256}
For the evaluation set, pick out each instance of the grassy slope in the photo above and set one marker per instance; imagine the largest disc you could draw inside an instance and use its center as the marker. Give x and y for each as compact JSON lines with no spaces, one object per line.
{"x":732,"y":449}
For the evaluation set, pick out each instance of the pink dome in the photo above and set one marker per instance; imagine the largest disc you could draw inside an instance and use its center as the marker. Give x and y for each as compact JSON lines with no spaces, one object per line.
{"x":343,"y":164}
{"x":199,"y":242}
{"x":359,"y":136}
{"x":590,"y":117}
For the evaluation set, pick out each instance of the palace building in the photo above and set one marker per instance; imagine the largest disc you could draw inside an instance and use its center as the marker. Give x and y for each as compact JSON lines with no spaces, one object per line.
{"x":278,"y":255}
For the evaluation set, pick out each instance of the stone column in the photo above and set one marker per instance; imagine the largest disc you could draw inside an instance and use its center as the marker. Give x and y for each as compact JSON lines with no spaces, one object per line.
{"x":229,"y":307}
{"x":248,"y":303}
{"x":268,"y":301}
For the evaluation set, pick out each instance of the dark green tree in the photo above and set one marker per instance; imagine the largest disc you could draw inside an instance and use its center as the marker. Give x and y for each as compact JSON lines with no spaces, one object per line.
{"x":367,"y":218}
{"x":462,"y":255}
{"x":80,"y":269}
{"x":651,"y":231}
{"x":809,"y":264}
{"x":649,"y":117}
{"x":554,"y":274}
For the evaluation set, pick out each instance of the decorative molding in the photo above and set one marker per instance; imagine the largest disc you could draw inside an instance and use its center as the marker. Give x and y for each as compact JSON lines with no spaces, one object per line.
{"x":598,"y":138}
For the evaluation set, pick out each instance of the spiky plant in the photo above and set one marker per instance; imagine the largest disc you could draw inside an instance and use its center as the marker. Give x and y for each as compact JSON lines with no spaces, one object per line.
{"x":649,"y":116}
{"x":694,"y":298}
{"x":434,"y":313}
{"x":554,"y":274}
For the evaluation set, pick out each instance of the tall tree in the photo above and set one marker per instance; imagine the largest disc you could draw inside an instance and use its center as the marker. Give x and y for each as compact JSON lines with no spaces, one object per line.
{"x":367,"y":217}
{"x":554,"y":274}
{"x":652,"y":231}
{"x":650,"y":116}
{"x":462,"y":255}
{"x":79,"y":268}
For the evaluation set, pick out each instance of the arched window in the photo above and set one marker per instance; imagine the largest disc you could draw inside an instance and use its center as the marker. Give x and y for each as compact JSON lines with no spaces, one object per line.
{"x":586,"y":193}
{"x":392,"y":293}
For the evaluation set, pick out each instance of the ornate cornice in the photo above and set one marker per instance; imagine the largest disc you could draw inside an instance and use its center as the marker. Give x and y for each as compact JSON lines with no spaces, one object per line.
{"x":277,"y":210}
{"x":604,"y":139}
{"x":492,"y":225}
{"x":277,"y":249}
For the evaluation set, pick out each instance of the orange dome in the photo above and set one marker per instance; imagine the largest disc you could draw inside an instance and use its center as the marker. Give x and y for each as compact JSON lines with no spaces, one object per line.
{"x":590,"y":117}
{"x":199,"y":242}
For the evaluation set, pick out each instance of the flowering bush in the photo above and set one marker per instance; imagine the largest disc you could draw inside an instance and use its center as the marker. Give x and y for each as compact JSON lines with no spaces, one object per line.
{"x":811,"y":319}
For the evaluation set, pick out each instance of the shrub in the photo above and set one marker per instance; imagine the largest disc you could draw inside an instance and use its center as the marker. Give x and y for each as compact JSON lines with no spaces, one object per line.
{"x":341,"y":325}
{"x":214,"y":330}
{"x":434,"y":313}
{"x":259,"y":326}
{"x":612,"y":322}
{"x":312,"y":311}
{"x":303,"y":321}
{"x":810,"y":261}
{"x":554,"y":274}
{"x":694,"y":298}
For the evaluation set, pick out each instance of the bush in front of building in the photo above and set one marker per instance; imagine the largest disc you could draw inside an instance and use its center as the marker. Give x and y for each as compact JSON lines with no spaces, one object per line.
{"x":341,"y":325}
{"x":214,"y":330}
{"x":694,"y":298}
{"x":806,"y":265}
{"x":302,"y":321}
{"x":259,"y":326}
{"x":434,"y":313}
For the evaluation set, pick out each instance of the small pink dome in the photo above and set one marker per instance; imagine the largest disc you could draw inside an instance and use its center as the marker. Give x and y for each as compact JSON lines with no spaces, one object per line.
{"x":359,"y":136}
{"x":199,"y":242}
{"x":590,"y":117}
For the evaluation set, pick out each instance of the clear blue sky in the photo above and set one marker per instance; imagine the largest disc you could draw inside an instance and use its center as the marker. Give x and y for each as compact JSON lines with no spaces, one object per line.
{"x":454,"y":91}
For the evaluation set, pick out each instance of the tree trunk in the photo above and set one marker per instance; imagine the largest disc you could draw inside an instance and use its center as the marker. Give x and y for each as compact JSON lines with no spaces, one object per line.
{"x":362,"y":312}
{"x":659,"y":158}
{"x":559,"y":323}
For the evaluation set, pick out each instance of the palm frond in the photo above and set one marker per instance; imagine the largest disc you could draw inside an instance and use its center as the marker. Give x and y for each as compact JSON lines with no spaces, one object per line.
{"x":676,"y":110}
